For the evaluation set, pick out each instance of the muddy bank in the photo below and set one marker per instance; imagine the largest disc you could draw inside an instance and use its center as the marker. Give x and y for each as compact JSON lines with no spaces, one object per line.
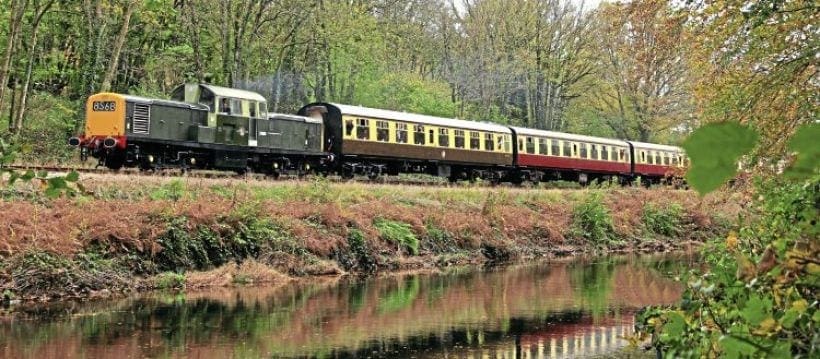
{"x":131,"y":235}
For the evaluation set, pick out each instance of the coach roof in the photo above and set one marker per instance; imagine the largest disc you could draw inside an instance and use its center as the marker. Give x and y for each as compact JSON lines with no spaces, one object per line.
{"x":374,"y":113}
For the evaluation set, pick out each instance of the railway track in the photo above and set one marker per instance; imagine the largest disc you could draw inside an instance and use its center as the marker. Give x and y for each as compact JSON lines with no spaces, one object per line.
{"x":56,"y":169}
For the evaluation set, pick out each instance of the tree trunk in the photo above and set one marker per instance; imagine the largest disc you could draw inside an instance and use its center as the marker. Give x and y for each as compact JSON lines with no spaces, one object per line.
{"x":32,"y":48}
{"x":118,"y":43}
{"x":18,"y":8}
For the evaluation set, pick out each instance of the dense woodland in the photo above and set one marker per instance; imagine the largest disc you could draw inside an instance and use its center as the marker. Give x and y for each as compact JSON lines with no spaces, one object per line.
{"x":645,"y":70}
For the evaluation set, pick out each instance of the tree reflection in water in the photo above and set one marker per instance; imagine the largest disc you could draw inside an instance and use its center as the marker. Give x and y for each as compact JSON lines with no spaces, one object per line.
{"x":541,"y":310}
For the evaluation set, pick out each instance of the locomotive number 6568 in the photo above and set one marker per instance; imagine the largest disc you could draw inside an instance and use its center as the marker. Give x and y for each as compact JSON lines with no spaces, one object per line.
{"x":104,"y":106}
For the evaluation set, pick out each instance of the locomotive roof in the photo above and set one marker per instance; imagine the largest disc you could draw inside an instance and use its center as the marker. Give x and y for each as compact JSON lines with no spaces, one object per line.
{"x":133,"y":98}
{"x":568,"y":136}
{"x":234,"y":93}
{"x":656,"y":147}
{"x":422,"y":119}
{"x":286,"y":116}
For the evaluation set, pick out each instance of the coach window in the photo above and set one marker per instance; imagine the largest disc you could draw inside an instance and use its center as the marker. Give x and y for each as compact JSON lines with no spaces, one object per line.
{"x":382,"y":131}
{"x":666,"y":158}
{"x":489,"y":144}
{"x":363,"y":129}
{"x":566,"y":151}
{"x":594,"y":152}
{"x":432,"y":137}
{"x":657,"y":158}
{"x":621,"y":155}
{"x":503,"y":145}
{"x":459,"y":138}
{"x":674,"y":160}
{"x":530,"y":145}
{"x":475,"y":140}
{"x":349,"y":128}
{"x":555,"y":148}
{"x":252,"y":110}
{"x":444,"y":137}
{"x":584,"y":153}
{"x":542,"y":146}
{"x":401,"y":133}
{"x":418,"y":134}
{"x":605,"y":153}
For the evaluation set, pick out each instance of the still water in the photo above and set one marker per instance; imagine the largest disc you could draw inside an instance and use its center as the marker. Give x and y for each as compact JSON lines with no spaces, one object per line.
{"x":582,"y":308}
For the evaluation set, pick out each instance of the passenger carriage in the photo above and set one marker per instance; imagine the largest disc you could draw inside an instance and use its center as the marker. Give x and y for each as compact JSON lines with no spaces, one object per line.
{"x":373,"y":141}
{"x":547,"y":155}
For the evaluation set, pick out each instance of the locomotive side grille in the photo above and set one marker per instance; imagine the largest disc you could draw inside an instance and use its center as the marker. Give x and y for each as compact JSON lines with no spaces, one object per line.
{"x":141,"y":120}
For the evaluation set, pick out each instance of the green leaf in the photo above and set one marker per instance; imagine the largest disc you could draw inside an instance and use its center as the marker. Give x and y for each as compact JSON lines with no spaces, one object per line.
{"x":714,"y":150}
{"x":805,"y":143}
{"x":675,"y":324}
{"x":72,"y":176}
{"x":788,"y":319}
{"x":756,"y":310}
{"x":735,"y":348}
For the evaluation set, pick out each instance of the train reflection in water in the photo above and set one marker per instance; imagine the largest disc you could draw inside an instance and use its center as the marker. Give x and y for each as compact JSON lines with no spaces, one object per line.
{"x":576,"y":309}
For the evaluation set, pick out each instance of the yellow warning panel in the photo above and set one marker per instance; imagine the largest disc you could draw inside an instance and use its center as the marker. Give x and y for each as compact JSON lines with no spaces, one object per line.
{"x":105,"y":115}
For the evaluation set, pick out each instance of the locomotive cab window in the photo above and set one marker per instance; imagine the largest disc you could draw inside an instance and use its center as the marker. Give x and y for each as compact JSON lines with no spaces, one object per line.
{"x":224,"y":105}
{"x":418,"y":134}
{"x":401,"y":133}
{"x":349,"y":128}
{"x":459,"y":138}
{"x":489,"y":144}
{"x":444,"y":137}
{"x":475,"y":140}
{"x":362,"y":129}
{"x":236,"y":107}
{"x":382,"y":131}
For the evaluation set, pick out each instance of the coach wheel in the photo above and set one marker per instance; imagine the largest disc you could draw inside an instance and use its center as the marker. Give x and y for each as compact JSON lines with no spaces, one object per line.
{"x":275,"y":174}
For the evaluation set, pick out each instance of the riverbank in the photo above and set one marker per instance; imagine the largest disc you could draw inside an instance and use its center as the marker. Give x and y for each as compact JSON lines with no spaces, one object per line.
{"x":141,"y":233}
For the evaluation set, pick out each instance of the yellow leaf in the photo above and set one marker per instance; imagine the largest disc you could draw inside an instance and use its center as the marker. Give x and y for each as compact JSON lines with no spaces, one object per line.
{"x":731,"y":241}
{"x":767,"y":326}
{"x":800,"y":305}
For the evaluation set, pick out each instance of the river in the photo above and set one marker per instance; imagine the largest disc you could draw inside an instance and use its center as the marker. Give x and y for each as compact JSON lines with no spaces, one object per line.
{"x":576,"y":308}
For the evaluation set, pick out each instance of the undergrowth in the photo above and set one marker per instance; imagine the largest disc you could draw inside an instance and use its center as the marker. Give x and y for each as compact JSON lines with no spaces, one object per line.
{"x":399,"y":233}
{"x":592,"y":221}
{"x":662,"y":220}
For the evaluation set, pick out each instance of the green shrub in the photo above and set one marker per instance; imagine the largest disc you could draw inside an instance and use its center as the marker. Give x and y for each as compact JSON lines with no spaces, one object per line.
{"x":399,"y":233}
{"x":169,"y":280}
{"x":758,"y":296}
{"x":664,"y":221}
{"x":591,"y":221}
{"x":174,"y":190}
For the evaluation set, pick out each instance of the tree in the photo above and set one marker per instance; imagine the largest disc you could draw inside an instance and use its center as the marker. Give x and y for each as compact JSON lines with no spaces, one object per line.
{"x":644,"y":88}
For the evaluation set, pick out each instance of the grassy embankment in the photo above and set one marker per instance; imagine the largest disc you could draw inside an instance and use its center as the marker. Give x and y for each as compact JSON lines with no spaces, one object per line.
{"x":138,"y":233}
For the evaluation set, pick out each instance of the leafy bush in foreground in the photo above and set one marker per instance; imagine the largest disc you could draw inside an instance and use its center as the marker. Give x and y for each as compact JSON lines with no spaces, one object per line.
{"x":759,"y":296}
